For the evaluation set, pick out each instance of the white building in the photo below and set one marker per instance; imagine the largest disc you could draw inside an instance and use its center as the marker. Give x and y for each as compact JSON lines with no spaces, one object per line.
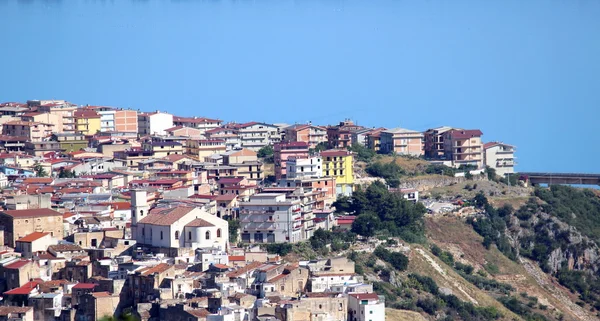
{"x":298,"y":168}
{"x":178,"y":227}
{"x":255,"y":135}
{"x":324,"y":282}
{"x":500,"y":157}
{"x":107,"y":120}
{"x":155,"y":123}
{"x":271,"y":218}
{"x":366,"y":307}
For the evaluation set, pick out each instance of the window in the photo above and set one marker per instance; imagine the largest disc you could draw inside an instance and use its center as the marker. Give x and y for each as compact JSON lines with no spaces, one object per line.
{"x":218,"y":232}
{"x":320,"y":306}
{"x":161,"y":235}
{"x":143,"y":231}
{"x":207,"y":236}
{"x":177,"y":235}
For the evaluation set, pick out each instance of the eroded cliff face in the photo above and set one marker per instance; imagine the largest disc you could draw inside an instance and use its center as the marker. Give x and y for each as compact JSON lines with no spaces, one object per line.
{"x":564,"y":246}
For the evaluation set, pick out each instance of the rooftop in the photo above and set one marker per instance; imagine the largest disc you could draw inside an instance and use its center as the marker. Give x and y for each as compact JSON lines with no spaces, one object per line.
{"x":32,"y":237}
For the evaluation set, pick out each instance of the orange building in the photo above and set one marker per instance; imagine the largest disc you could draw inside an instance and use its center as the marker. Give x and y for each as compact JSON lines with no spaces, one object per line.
{"x":126,"y":121}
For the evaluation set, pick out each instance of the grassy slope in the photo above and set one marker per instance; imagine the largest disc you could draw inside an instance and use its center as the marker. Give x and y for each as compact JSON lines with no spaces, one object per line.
{"x":420,"y":262}
{"x":457,"y":237}
{"x":402,"y":315}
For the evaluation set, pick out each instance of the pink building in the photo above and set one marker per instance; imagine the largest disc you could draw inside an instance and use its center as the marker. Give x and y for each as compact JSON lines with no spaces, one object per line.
{"x":282,"y":151}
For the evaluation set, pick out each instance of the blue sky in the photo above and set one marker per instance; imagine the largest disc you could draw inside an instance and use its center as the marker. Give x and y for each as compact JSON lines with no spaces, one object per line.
{"x":525,"y":73}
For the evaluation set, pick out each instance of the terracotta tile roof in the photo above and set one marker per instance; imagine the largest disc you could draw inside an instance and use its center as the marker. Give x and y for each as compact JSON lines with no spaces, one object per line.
{"x":277,"y":278}
{"x":199,"y":313}
{"x":221,"y":266}
{"x":321,"y":294}
{"x":86,"y":113}
{"x":101,"y":294}
{"x":226,"y":197}
{"x":236,"y":258}
{"x":268,"y":267}
{"x":160,"y":268}
{"x":166,"y":217}
{"x":86,"y":286}
{"x":249,"y":267}
{"x":17,"y":265}
{"x":38,"y":180}
{"x":32,"y":237}
{"x":23,"y":290}
{"x":31,"y":213}
{"x":335,"y":153}
{"x":199,"y":223}
{"x":464,"y":134}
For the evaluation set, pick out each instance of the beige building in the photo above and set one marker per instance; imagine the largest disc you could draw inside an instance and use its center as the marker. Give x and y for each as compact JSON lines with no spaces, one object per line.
{"x":500,"y":157}
{"x":19,"y":223}
{"x":16,"y":313}
{"x":464,"y":147}
{"x":246,"y":162}
{"x":62,"y":108}
{"x":316,"y":306}
{"x":200,"y":148}
{"x":33,"y":131}
{"x":434,"y":142}
{"x":36,"y":242}
{"x":96,"y":305}
{"x":47,"y":118}
{"x":402,"y":142}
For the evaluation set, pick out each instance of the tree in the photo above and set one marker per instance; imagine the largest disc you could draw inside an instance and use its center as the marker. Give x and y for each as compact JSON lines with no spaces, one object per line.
{"x":266,"y":153}
{"x":491,"y":173}
{"x":319,"y":148}
{"x":366,"y":224}
{"x":40,"y":171}
{"x":362,"y":152}
{"x":66,"y":173}
{"x":234,"y":227}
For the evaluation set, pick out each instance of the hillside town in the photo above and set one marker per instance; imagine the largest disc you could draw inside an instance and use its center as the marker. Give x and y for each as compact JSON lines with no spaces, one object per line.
{"x":109,"y":212}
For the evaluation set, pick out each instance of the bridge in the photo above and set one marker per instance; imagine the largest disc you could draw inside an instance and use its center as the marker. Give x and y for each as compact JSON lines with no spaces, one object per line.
{"x":560,"y":178}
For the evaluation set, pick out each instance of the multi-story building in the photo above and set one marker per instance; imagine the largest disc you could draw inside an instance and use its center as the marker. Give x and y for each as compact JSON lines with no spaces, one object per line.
{"x":31,"y":130}
{"x":201,"y":148}
{"x":434,"y":142}
{"x":254,"y":135}
{"x":201,"y":123}
{"x":283,"y":151}
{"x":500,"y":157}
{"x":126,"y":121}
{"x":19,"y":223}
{"x":340,"y":136}
{"x":46,"y":118}
{"x":271,"y":218}
{"x":154,"y":123}
{"x":366,"y":307}
{"x":361,"y":136}
{"x":70,"y":142}
{"x":374,"y":140}
{"x":339,"y":164}
{"x":87,"y":121}
{"x":64,"y":109}
{"x":402,"y":142}
{"x":298,"y":168}
{"x":464,"y":147}
{"x":310,"y":134}
{"x":163,"y":148}
{"x":246,"y":162}
{"x":229,"y":135}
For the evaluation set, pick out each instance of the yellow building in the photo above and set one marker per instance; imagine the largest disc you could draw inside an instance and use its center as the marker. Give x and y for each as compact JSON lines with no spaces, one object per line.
{"x":339,"y":164}
{"x":87,"y":121}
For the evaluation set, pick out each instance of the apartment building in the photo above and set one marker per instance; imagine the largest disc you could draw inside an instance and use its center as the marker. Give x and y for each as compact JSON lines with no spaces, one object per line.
{"x":62,"y":108}
{"x":229,"y":135}
{"x":298,"y":168}
{"x":201,"y":123}
{"x":33,"y":131}
{"x":401,"y":141}
{"x":339,"y":164}
{"x":164,"y":148}
{"x":500,"y":157}
{"x":307,"y":133}
{"x":340,"y":136}
{"x":117,"y":120}
{"x":271,"y":218}
{"x":464,"y":147}
{"x":45,"y":118}
{"x":201,"y":148}
{"x":254,"y":135}
{"x":87,"y":121}
{"x":154,"y":123}
{"x":434,"y":142}
{"x":361,"y":136}
{"x":283,"y":151}
{"x":246,"y":162}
